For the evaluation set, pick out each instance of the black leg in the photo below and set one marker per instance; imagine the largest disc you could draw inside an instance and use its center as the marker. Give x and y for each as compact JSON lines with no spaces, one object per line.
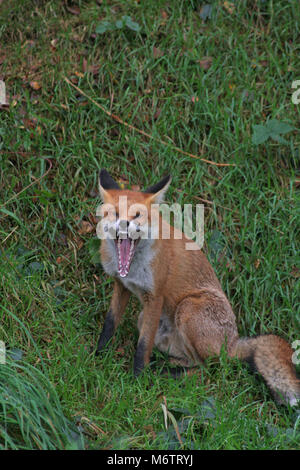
{"x":106,"y":333}
{"x":139,"y":361}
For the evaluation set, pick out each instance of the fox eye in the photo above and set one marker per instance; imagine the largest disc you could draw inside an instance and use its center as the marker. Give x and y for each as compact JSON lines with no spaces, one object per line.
{"x":109,"y":214}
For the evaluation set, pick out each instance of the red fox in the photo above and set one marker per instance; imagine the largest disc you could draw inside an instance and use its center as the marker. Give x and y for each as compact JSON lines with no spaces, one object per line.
{"x":185,"y":312}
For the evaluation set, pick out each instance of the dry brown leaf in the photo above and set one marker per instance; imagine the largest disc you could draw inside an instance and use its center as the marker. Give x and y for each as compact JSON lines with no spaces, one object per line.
{"x":121,"y":351}
{"x":157,"y":114}
{"x":297,"y":183}
{"x":157,"y":52}
{"x":74,"y":9}
{"x":229,"y":6}
{"x":74,"y":80}
{"x":85,"y":227}
{"x":264,"y":63}
{"x":257,"y":263}
{"x":295,"y":272}
{"x":35,"y":85}
{"x":79,"y":74}
{"x":30,"y":123}
{"x":79,"y":243}
{"x":93,"y":219}
{"x":205,"y":63}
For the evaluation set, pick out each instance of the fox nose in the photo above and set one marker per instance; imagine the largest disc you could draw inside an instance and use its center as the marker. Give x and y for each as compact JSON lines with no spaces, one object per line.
{"x":123,"y":228}
{"x":123,"y":224}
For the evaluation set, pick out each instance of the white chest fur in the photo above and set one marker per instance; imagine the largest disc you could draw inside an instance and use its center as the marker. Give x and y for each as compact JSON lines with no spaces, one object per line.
{"x":140,"y":277}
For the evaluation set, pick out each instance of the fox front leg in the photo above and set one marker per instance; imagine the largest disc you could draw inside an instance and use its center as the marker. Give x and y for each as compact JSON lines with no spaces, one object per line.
{"x":118,"y":304}
{"x":150,"y":320}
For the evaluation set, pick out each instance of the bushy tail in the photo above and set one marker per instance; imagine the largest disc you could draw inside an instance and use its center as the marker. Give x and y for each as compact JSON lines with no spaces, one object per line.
{"x":271,"y":356}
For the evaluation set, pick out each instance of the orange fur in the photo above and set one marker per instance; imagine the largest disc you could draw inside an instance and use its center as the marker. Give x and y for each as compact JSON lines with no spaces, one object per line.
{"x":187,"y":314}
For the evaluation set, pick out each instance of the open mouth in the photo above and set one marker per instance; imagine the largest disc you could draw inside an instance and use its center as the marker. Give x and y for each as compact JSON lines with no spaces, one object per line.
{"x":125,"y":249}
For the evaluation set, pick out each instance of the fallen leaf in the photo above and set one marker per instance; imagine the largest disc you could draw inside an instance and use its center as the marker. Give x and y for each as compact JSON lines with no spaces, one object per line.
{"x":35,"y":85}
{"x":85,"y":227}
{"x":121,"y":351}
{"x":264,"y":63}
{"x":30,"y":123}
{"x":157,"y":52}
{"x":257,"y":263}
{"x":229,"y":6}
{"x":74,"y":9}
{"x":78,"y":242}
{"x":295,"y":272}
{"x":93,"y":219}
{"x":205,"y":63}
{"x":94,"y":69}
{"x":157,"y":114}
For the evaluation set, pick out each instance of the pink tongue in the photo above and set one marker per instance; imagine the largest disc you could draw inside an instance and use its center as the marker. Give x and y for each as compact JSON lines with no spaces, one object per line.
{"x":125,"y":252}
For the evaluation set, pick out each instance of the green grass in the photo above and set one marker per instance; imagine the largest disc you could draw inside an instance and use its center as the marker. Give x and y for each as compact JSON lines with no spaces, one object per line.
{"x":54,"y":293}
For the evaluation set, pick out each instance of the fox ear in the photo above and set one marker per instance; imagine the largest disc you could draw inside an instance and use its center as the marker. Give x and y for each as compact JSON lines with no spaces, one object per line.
{"x":158,"y":190}
{"x":106,"y":182}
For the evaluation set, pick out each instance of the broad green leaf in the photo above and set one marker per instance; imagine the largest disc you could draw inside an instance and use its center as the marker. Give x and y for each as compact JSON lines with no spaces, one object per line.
{"x":273,"y":129}
{"x":104,"y":26}
{"x":279,"y":139}
{"x":277,"y":127}
{"x":131,"y":24}
{"x":261,"y":134}
{"x":119,"y":24}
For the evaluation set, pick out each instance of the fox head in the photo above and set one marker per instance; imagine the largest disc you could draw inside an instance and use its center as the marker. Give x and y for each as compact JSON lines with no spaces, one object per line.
{"x":127,"y":216}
